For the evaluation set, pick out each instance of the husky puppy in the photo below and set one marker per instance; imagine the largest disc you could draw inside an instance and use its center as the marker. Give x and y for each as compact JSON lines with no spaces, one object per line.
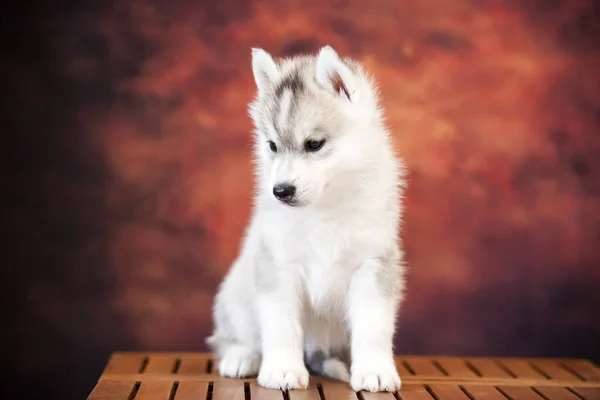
{"x":320,"y":276}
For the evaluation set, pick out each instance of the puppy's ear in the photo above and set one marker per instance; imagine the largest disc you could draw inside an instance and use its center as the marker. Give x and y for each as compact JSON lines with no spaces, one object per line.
{"x":334,"y":75}
{"x":265,"y":70}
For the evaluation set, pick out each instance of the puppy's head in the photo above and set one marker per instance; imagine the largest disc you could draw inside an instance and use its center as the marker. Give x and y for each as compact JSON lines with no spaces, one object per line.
{"x":313,"y":118}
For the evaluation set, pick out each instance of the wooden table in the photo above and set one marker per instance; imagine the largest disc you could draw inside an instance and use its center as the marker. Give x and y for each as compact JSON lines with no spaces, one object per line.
{"x":187,"y":376}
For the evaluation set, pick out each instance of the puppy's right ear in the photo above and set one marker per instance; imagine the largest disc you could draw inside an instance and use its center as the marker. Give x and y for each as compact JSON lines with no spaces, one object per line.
{"x":265,"y":70}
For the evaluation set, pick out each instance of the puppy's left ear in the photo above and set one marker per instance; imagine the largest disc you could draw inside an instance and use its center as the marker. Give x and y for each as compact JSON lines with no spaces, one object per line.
{"x":334,"y":75}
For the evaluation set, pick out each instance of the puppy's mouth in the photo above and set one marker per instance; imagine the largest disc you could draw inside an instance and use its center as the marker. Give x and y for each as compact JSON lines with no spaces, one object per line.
{"x":293,"y":203}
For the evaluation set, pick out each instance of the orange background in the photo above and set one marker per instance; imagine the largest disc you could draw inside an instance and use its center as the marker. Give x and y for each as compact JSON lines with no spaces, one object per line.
{"x":130,"y":180}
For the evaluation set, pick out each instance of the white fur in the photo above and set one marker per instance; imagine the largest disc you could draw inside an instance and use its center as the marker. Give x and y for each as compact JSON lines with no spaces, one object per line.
{"x":327,"y":275}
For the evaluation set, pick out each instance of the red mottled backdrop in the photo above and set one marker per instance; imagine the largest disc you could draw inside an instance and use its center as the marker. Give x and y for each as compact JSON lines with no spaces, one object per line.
{"x":128,"y":176}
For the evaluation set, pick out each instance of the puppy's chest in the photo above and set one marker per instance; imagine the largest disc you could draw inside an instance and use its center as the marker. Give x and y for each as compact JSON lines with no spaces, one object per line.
{"x":327,"y":255}
{"x":326,"y":288}
{"x":326,"y":276}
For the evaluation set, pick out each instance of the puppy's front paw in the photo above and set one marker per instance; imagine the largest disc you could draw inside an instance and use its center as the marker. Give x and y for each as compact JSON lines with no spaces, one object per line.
{"x":283,"y":378}
{"x":376,"y":380}
{"x":239,"y":362}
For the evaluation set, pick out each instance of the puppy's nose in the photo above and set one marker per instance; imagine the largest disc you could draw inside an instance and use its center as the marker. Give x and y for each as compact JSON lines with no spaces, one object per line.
{"x":284,"y":191}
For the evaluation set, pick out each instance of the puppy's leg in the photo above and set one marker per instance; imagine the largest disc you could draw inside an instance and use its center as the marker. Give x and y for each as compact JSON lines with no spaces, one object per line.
{"x":235,"y":340}
{"x":375,"y":289}
{"x":279,"y":309}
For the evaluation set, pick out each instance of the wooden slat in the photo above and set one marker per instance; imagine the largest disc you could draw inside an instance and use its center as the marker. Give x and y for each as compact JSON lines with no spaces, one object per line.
{"x":338,"y":390}
{"x":479,"y":392}
{"x":228,"y":390}
{"x":402,"y":370}
{"x":448,"y":392}
{"x":125,"y":363}
{"x":112,"y":390}
{"x":521,"y":369}
{"x":423,"y":366}
{"x":311,"y":393}
{"x":161,"y":364}
{"x":587,"y":393}
{"x":260,"y":393}
{"x":160,"y":390}
{"x":192,"y":391}
{"x":520,"y":393}
{"x":553,"y":369}
{"x":377,"y":396}
{"x":583,"y":368}
{"x":414,"y":392}
{"x":456,"y":367}
{"x":557,"y":393}
{"x":488,"y":368}
{"x":194,"y":365}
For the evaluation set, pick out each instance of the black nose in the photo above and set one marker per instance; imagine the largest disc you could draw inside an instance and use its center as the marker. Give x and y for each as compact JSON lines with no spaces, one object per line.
{"x":284,"y":191}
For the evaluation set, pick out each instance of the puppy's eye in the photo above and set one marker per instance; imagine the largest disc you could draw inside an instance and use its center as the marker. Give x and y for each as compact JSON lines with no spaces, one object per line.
{"x":313,"y":145}
{"x":273,"y":146}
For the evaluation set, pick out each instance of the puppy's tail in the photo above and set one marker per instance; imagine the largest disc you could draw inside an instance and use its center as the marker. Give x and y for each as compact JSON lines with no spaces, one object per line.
{"x":332,"y":367}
